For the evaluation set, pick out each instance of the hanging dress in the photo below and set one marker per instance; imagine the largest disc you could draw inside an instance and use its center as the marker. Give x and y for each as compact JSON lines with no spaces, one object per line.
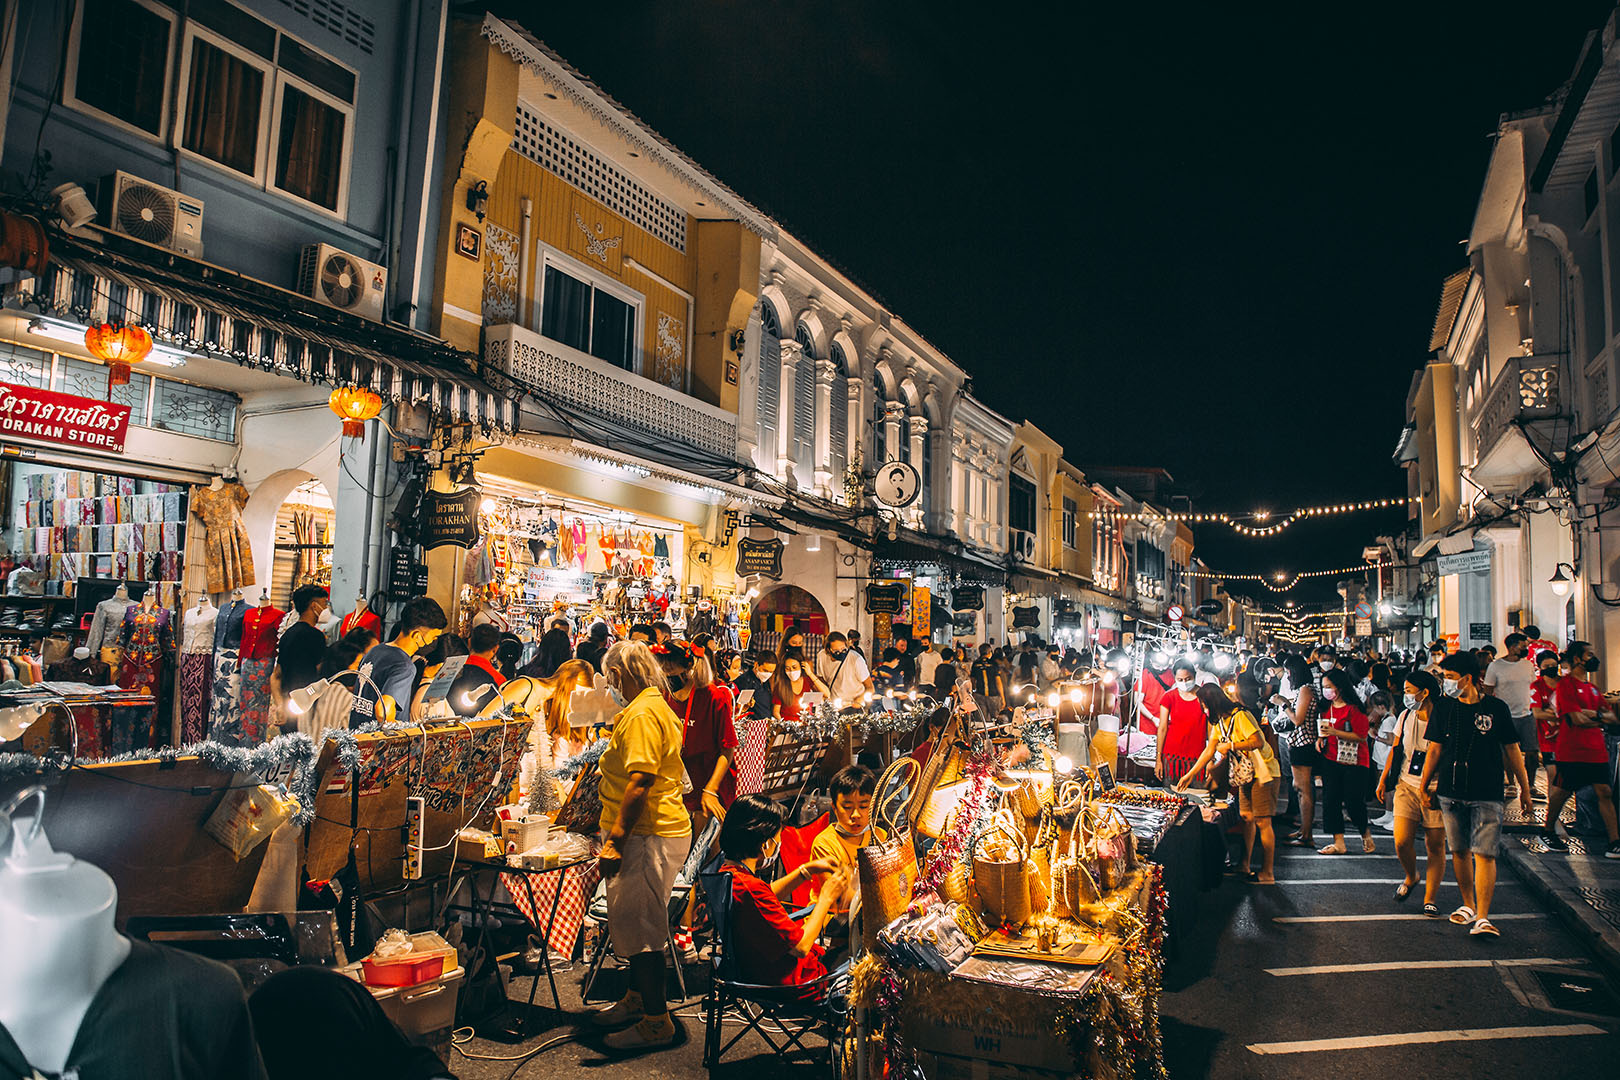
{"x":196,"y":671}
{"x":226,"y":549}
{"x":225,"y":706}
{"x":147,"y":638}
{"x":261,"y":628}
{"x":578,"y":536}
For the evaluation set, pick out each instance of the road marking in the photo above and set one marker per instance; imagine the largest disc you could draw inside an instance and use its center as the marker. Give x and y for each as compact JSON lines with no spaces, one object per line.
{"x":1394,"y":918}
{"x":1408,"y":1038}
{"x":1421,"y":965}
{"x":1372,"y":881}
{"x":1320,"y":857}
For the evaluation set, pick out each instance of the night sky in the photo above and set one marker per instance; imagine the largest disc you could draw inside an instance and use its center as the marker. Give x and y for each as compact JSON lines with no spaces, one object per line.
{"x":1222,"y":235}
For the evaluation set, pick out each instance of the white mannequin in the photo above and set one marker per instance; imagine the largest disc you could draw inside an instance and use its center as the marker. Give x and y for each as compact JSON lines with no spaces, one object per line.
{"x":149,"y":599}
{"x":57,"y":935}
{"x":121,"y":593}
{"x":216,"y":484}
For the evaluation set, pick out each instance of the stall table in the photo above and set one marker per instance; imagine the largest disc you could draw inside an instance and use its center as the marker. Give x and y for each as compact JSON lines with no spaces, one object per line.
{"x":572,"y":880}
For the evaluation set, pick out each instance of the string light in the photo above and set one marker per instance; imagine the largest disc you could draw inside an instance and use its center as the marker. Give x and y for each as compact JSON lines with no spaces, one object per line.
{"x":1274,"y":582}
{"x":1267,"y":528}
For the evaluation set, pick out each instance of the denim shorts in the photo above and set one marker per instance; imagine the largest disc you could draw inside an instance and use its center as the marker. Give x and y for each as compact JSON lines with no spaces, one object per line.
{"x":1475,"y":826}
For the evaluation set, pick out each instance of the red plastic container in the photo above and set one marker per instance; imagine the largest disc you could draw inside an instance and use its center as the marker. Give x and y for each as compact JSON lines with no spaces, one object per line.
{"x":402,"y":973}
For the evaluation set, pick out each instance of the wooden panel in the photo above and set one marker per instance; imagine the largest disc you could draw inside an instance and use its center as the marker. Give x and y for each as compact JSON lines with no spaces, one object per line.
{"x":141,"y":823}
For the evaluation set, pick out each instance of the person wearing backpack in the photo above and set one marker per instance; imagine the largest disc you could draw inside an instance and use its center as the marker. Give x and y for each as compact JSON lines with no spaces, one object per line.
{"x":1253,"y":772}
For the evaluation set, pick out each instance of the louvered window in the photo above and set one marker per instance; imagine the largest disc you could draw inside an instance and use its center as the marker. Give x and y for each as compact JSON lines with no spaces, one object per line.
{"x":838,"y":419}
{"x":804,"y":403}
{"x":770,"y":380}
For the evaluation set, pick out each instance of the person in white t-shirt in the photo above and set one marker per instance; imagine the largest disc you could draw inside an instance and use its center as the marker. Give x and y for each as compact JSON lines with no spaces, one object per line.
{"x":1509,"y":679}
{"x":927,"y":661}
{"x":843,"y":670}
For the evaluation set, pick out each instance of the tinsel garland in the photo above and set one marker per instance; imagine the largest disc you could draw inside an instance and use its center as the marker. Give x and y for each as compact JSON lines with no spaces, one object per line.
{"x":823,"y":721}
{"x":970,"y":810}
{"x":543,"y":796}
{"x":290,"y":755}
{"x":1038,"y":736}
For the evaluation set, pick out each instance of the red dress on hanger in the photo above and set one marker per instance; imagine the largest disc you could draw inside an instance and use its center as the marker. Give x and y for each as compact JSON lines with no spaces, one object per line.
{"x":362,"y":617}
{"x":261,"y":630}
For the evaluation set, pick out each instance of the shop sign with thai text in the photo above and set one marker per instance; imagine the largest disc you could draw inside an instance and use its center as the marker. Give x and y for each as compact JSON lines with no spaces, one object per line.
{"x":759,"y":557}
{"x":886,"y":598}
{"x":27,"y":412}
{"x":450,"y":517}
{"x":967,"y":598}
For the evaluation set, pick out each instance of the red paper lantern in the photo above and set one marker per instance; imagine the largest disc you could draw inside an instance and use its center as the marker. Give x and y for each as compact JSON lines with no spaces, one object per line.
{"x":356,"y":405}
{"x":118,"y":346}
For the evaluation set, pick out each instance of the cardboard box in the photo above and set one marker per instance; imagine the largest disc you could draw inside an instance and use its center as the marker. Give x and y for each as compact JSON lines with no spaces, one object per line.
{"x":951,"y":1067}
{"x":1025,"y":1044}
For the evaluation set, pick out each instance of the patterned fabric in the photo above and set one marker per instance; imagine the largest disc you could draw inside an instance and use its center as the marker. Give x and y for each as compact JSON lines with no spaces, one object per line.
{"x":756,"y":745}
{"x":226,"y":549}
{"x":196,"y":689}
{"x":255,"y":698}
{"x":225,"y":704}
{"x":578,"y":883}
{"x":197,"y":629}
{"x":107,"y":623}
{"x":147,"y":640}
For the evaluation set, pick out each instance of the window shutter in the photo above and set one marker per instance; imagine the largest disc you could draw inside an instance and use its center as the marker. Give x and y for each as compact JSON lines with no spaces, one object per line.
{"x":804,"y":408}
{"x":770,"y":383}
{"x":838,"y":432}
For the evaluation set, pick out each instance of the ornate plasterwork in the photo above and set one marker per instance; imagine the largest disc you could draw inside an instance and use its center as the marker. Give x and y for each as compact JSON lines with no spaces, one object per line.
{"x":500,"y":275}
{"x":669,"y":354}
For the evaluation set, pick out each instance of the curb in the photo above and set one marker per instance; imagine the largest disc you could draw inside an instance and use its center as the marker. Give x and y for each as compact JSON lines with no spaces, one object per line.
{"x":1576,"y":914}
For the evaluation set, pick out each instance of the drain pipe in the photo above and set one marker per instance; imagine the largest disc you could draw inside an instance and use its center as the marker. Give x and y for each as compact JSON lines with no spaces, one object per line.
{"x":519,"y":316}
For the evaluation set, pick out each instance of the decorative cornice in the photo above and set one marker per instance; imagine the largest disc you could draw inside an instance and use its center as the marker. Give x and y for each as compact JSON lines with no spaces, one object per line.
{"x":528,"y":52}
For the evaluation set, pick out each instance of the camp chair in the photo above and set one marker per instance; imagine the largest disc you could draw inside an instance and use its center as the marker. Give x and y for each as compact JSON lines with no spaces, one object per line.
{"x":678,"y":898}
{"x":794,"y":1011}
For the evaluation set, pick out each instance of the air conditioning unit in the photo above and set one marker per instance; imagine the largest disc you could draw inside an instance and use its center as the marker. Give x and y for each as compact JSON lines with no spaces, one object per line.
{"x":153,"y":213}
{"x":1023,"y":545}
{"x":346,"y":282}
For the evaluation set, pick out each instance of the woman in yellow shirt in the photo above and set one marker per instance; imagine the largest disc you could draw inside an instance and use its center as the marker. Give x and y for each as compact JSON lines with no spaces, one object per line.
{"x":1234,"y":730}
{"x":646,"y":835}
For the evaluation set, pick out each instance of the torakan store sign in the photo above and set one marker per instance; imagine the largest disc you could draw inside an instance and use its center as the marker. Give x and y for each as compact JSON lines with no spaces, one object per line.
{"x":27,"y":412}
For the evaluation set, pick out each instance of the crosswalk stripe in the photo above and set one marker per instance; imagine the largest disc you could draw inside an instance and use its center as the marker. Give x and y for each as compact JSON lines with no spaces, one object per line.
{"x":1408,"y":1038}
{"x":1303,"y":855}
{"x":1394,"y":917}
{"x":1373,"y":881}
{"x":1422,"y":965}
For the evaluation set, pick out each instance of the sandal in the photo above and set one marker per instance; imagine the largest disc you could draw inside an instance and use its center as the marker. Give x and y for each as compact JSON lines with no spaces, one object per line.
{"x":1330,"y":850}
{"x":1483,"y":928}
{"x":1251,"y":875}
{"x":1300,"y":841}
{"x":1368,"y":846}
{"x":1265,"y":880}
{"x":1404,"y":890}
{"x":1432,"y":910}
{"x":1464,"y":914}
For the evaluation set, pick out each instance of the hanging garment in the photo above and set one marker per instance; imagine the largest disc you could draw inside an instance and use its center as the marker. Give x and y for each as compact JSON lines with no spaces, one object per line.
{"x":661,"y":547}
{"x":596,"y":559}
{"x":196,"y":671}
{"x":90,"y":720}
{"x":362,"y":617}
{"x":261,"y":631}
{"x":226,"y":549}
{"x":147,"y":639}
{"x":751,"y":755}
{"x":578,"y":536}
{"x":106,"y":624}
{"x":565,"y":545}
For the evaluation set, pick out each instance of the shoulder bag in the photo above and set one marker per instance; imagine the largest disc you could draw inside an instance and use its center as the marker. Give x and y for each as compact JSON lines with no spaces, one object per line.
{"x":888,"y":869}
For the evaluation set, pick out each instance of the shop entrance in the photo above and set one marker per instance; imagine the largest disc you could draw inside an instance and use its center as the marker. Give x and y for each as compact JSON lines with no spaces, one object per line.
{"x":303,"y":552}
{"x":785,"y":607}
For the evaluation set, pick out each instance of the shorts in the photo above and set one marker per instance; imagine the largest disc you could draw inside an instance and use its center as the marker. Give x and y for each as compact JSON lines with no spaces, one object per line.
{"x":1407,"y":803}
{"x":1257,"y":801}
{"x":638,"y":895}
{"x":1528,"y":742}
{"x":1305,"y":757}
{"x":1574,"y":775}
{"x":1473,"y":825}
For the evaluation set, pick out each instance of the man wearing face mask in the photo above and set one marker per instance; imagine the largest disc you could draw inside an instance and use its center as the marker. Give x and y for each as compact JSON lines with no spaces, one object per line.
{"x":843,"y":670}
{"x":1544,"y":708}
{"x":1469,"y":745}
{"x":1583,"y":756}
{"x":1509,"y":678}
{"x":1183,"y":726}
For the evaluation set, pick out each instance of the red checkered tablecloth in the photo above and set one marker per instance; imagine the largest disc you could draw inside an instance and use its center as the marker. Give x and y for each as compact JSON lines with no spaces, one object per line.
{"x":578,"y":884}
{"x":756,"y":745}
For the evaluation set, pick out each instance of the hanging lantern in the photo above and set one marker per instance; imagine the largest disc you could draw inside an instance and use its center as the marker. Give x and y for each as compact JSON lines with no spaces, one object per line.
{"x":118,"y":346}
{"x":356,"y":405}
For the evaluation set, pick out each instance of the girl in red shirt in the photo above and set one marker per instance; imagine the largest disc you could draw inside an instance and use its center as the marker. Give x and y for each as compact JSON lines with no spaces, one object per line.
{"x":709,"y":736}
{"x":767,"y":946}
{"x":1183,"y":727}
{"x":1345,"y":761}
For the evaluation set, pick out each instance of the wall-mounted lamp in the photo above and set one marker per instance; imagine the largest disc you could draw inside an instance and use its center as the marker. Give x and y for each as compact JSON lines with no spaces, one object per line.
{"x":734,"y":341}
{"x":478,"y":199}
{"x":1559,"y":581}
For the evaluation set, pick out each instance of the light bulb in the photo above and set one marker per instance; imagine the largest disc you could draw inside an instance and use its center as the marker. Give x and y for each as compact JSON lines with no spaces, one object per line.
{"x":487,"y":506}
{"x":1052,"y":700}
{"x":1064,"y":765}
{"x":1076,"y":695}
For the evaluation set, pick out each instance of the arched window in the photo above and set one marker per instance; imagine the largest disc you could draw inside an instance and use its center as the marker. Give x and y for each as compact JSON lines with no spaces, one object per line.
{"x":838,"y":420}
{"x":804,"y":405}
{"x":770,"y":379}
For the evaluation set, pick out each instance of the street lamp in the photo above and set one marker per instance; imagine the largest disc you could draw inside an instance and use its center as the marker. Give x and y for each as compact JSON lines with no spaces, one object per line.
{"x":1559,"y":582}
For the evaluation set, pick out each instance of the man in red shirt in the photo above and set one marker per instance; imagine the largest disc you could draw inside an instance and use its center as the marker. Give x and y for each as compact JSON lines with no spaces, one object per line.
{"x":1183,"y":726}
{"x":1544,"y":708}
{"x":1583,"y":758}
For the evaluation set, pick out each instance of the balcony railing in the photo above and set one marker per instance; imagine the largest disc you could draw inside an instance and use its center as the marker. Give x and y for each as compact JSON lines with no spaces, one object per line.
{"x":575,"y":379}
{"x":1527,"y":389}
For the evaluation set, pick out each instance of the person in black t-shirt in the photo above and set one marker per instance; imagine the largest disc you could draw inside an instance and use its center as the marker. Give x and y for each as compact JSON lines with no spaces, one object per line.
{"x":299,"y":653}
{"x":1470,"y":742}
{"x":987,"y":681}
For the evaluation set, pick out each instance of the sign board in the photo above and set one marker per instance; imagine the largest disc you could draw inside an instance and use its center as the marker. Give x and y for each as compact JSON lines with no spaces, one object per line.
{"x":922,"y":610}
{"x":1363,"y":627}
{"x":1106,"y":775}
{"x":762,"y":557}
{"x":407,"y":575}
{"x":1464,"y":562}
{"x":897,"y":485}
{"x":450,"y":517}
{"x":885,"y":599}
{"x":1174,"y":613}
{"x":1026,"y":618}
{"x":1364,"y":610}
{"x":548,"y":582}
{"x":967,"y":598}
{"x":964,"y":623}
{"x":27,"y":412}
{"x":439,"y":688}
{"x":1480,"y":631}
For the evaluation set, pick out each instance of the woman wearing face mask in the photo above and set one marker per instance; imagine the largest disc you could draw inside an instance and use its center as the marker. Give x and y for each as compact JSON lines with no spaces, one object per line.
{"x":1405,"y":801}
{"x":1183,"y":727}
{"x":1300,"y":733}
{"x":792,"y":680}
{"x":1544,"y":708}
{"x":646,"y":837}
{"x":1345,"y":761}
{"x":708,"y":734}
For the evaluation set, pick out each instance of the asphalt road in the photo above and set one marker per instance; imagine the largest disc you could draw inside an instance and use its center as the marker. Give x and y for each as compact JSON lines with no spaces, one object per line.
{"x":1274,"y":982}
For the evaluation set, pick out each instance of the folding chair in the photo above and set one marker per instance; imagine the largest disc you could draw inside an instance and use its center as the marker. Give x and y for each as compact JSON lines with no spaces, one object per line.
{"x":796,"y":1011}
{"x":677,"y":908}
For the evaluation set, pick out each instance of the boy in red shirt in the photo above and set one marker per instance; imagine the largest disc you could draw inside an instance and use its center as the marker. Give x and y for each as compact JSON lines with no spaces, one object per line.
{"x":769,"y":948}
{"x":1544,"y":708}
{"x":1583,"y":758}
{"x":1183,"y":727}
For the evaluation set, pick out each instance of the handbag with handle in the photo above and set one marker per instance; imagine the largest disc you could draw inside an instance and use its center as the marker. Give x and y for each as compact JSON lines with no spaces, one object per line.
{"x":1001,"y":871}
{"x":888,"y":868}
{"x":1242,"y":768}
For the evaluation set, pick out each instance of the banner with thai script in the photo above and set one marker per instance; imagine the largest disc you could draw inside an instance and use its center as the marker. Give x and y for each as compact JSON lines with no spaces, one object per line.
{"x":27,"y":412}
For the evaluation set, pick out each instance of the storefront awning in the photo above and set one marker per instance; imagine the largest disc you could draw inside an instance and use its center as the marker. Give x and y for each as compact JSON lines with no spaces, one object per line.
{"x":212,"y":312}
{"x":921,"y":550}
